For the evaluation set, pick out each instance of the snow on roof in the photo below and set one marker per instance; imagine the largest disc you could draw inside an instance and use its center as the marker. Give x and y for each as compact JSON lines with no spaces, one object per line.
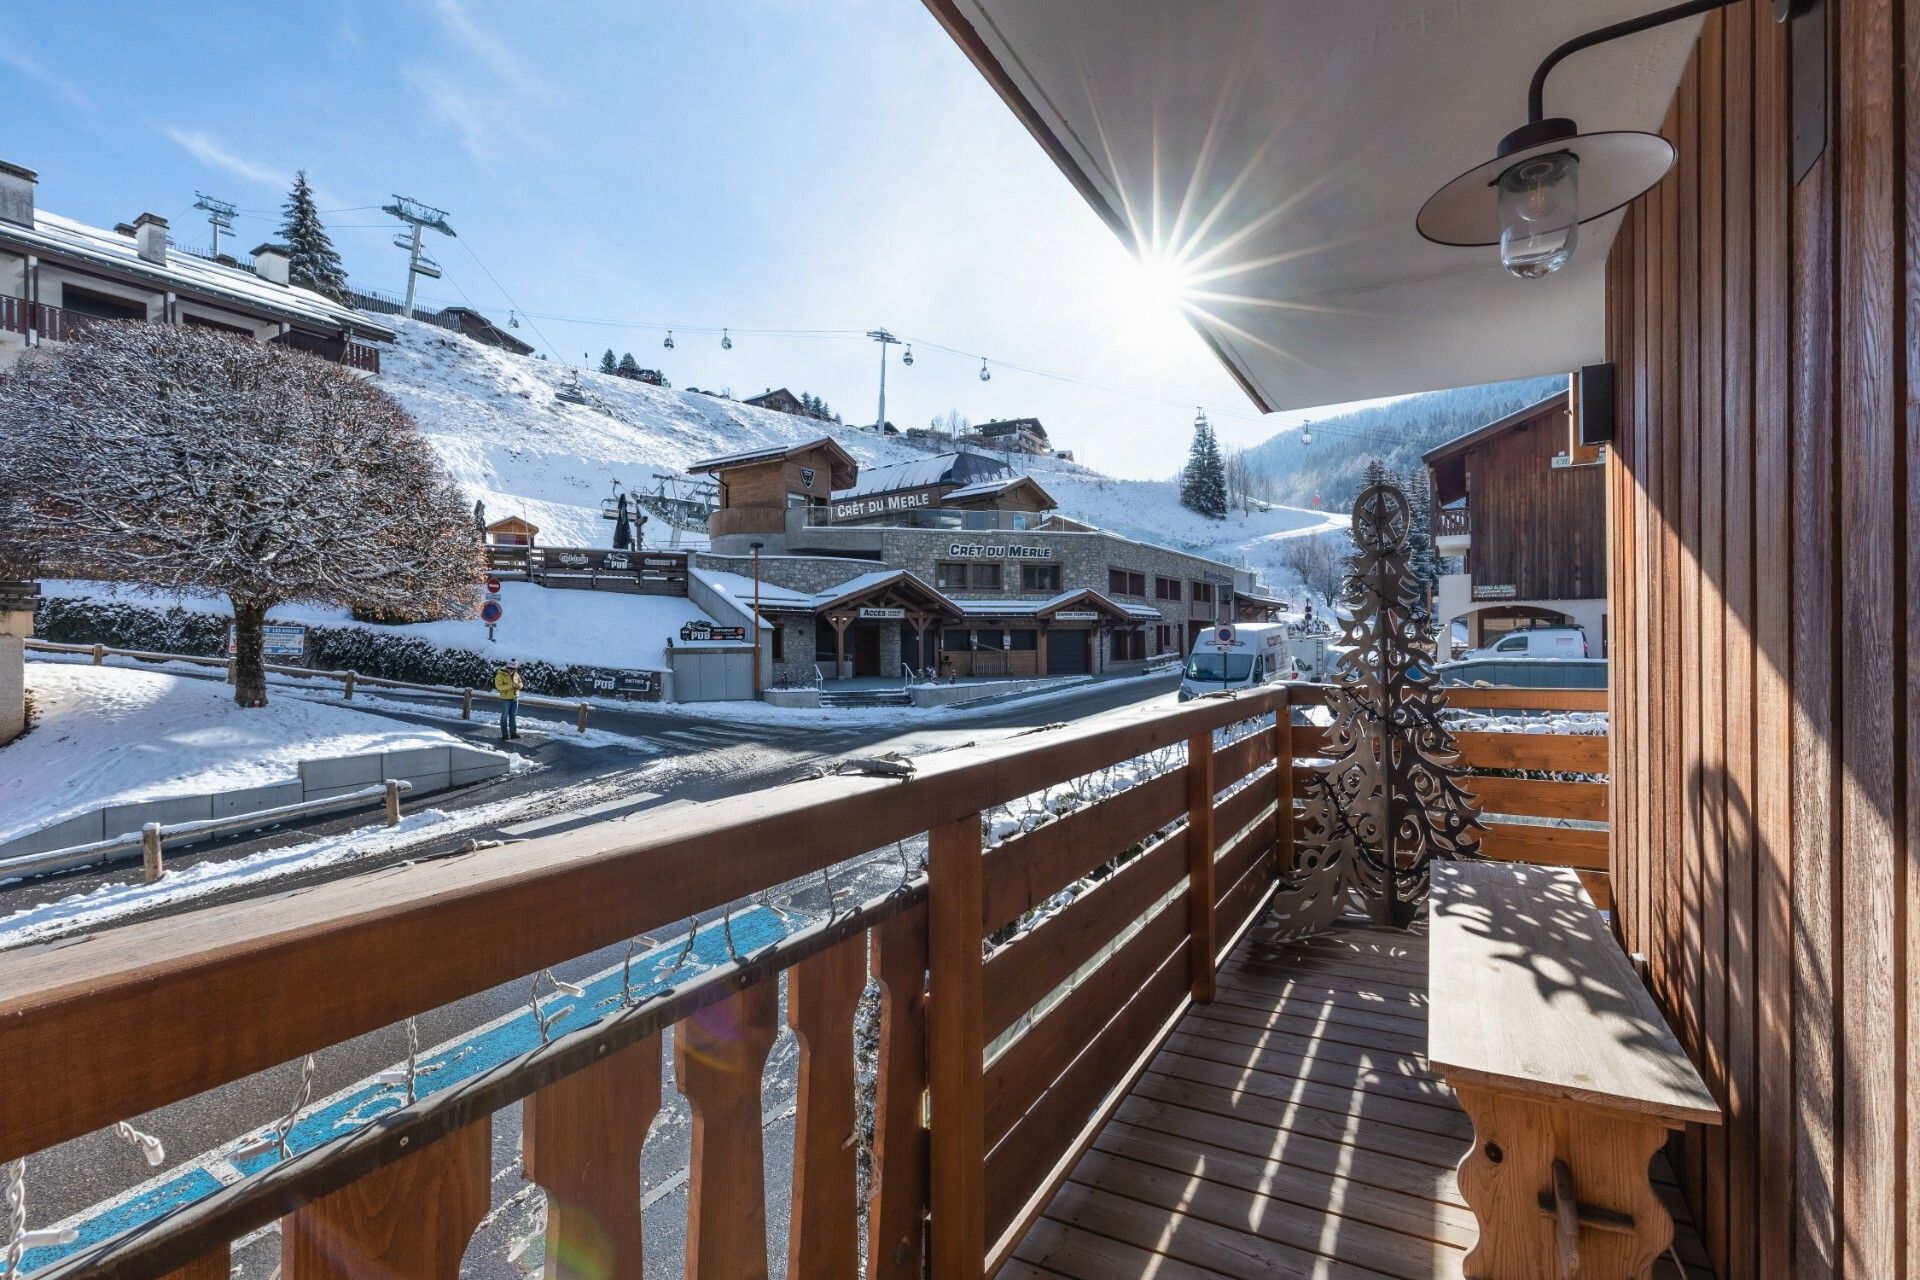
{"x":56,"y":236}
{"x":868,"y":581}
{"x":770,"y":452}
{"x":923,"y":473}
{"x":989,"y":488}
{"x":1024,"y":605}
{"x":739,"y":588}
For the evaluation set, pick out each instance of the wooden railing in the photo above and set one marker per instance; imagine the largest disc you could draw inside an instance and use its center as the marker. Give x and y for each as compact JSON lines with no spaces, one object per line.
{"x":17,"y":315}
{"x":1451,"y":521}
{"x":1023,"y":984}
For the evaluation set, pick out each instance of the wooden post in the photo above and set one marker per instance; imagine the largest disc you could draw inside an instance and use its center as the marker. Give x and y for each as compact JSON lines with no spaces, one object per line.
{"x":347,"y":684}
{"x":466,"y":704}
{"x":839,"y":625}
{"x":719,"y":1055}
{"x":581,"y":1142}
{"x":393,"y":802}
{"x":151,"y":867}
{"x":99,"y":654}
{"x":581,"y":724}
{"x":1040,"y":646}
{"x":896,"y":1217}
{"x":215,"y":1264}
{"x":1200,"y":905}
{"x":956,"y":1044}
{"x":823,"y":1233}
{"x":1283,"y":786}
{"x":410,"y":1218}
{"x":233,"y":671}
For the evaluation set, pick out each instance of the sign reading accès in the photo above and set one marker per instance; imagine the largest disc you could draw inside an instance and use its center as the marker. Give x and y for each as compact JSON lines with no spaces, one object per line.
{"x":278,"y":640}
{"x":1076,"y":615}
{"x":1493,"y":591}
{"x":990,"y":551}
{"x":874,"y":611}
{"x":704,"y":630}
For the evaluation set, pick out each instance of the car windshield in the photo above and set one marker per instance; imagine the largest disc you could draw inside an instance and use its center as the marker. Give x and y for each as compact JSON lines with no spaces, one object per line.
{"x":1219,"y":667}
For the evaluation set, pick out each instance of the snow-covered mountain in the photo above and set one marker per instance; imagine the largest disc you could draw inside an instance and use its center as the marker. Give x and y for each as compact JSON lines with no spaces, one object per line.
{"x":500,"y":424}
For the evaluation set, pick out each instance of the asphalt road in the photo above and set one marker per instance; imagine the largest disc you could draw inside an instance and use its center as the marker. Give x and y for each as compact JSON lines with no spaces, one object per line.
{"x":660,"y":758}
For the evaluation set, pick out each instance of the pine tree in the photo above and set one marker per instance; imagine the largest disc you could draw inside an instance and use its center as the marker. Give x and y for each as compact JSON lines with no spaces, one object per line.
{"x":1376,"y":471}
{"x":315,"y":262}
{"x":1203,"y":482}
{"x":1422,"y":559}
{"x":629,"y":367}
{"x":606,"y":361}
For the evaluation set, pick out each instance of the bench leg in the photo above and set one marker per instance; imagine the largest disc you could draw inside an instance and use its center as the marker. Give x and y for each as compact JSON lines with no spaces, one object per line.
{"x":1508,"y":1180}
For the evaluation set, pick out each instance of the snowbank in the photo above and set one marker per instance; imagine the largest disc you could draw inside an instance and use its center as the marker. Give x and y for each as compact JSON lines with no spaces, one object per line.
{"x":107,"y":735}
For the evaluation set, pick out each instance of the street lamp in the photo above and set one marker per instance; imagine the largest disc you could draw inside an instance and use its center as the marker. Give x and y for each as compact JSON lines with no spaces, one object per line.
{"x":885,"y":340}
{"x":756,"y":616}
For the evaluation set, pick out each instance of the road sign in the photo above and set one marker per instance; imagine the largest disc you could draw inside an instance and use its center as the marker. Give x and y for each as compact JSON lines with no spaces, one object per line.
{"x":1223,"y":636}
{"x":493,"y":586}
{"x":491,"y":612}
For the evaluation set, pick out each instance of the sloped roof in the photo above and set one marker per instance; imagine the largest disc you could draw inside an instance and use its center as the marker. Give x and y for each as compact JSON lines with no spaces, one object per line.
{"x":924,"y":473}
{"x":993,"y":488}
{"x":843,"y":462}
{"x":869,"y":582}
{"x":55,"y":237}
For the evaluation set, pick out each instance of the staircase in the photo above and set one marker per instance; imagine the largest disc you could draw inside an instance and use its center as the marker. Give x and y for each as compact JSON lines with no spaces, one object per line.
{"x":865,"y":698}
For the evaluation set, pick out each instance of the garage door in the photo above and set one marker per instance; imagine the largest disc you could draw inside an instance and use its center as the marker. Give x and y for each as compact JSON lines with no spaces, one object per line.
{"x":1068,"y":653}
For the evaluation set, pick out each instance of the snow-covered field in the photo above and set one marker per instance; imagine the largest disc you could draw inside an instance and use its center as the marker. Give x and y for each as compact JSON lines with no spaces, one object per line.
{"x":497,"y":422}
{"x":108,"y":735}
{"x":586,"y":628}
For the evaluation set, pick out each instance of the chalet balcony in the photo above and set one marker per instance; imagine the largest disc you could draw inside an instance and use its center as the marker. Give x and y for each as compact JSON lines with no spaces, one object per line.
{"x":1164,"y":1074}
{"x":1452,"y":530}
{"x":37,"y":322}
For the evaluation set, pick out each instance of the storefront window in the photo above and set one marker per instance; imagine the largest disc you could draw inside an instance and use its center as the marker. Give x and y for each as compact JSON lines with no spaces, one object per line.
{"x":953,"y":639}
{"x":1025,"y":639}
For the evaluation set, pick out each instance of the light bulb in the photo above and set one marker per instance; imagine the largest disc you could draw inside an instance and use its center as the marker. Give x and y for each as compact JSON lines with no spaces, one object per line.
{"x":1539,"y":214}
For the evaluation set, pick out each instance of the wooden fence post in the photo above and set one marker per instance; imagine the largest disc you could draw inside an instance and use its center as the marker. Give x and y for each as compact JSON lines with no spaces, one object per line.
{"x":151,"y":866}
{"x":99,"y":654}
{"x":719,"y":1057}
{"x":1283,"y":786}
{"x":1200,"y":892}
{"x":583,"y":717}
{"x":466,"y":704}
{"x":347,"y":684}
{"x":956,"y":1044}
{"x":393,"y":802}
{"x":233,"y":671}
{"x":896,"y":1218}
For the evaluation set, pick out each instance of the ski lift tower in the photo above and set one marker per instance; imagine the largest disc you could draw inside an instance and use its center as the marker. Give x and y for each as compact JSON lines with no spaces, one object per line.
{"x":219,"y":215}
{"x":416,"y":215}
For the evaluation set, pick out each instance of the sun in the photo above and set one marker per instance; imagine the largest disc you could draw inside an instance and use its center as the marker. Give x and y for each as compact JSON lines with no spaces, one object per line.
{"x":1161,"y":282}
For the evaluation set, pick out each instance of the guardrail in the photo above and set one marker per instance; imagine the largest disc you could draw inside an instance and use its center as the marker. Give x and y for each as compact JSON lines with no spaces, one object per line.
{"x":349,"y":680}
{"x":1023,"y":985}
{"x":151,"y":840}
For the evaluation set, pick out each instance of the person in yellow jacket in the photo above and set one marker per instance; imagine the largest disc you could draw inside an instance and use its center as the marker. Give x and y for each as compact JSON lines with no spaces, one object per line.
{"x":507,"y":683}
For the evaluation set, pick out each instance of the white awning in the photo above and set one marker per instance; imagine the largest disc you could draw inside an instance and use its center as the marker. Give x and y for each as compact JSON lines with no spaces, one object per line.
{"x":1280,"y":149}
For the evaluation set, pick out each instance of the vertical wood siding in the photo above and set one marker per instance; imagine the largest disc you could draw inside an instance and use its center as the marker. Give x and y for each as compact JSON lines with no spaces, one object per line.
{"x":1763,"y":574}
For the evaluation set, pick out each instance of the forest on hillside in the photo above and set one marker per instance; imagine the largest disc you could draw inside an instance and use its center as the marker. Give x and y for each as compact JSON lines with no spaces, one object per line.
{"x":1334,"y":466}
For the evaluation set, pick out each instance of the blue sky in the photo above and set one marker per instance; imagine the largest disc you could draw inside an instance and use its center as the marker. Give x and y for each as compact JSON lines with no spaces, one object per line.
{"x":761,"y":166}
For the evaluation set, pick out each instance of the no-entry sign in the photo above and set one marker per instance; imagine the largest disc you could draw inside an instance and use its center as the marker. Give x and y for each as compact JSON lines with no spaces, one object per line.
{"x":493,"y":586}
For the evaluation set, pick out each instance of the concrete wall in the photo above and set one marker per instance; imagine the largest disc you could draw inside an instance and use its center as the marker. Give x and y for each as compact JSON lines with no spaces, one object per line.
{"x":712,"y":675}
{"x":427,"y":768}
{"x":951,"y":695}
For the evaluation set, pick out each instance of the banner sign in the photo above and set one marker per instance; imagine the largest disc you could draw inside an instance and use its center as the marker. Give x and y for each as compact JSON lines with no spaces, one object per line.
{"x":606,"y":683}
{"x":1076,"y":615}
{"x":594,"y":560}
{"x":704,"y":630}
{"x":988,"y":551}
{"x":1493,"y":591}
{"x":278,"y":640}
{"x":876,"y":612}
{"x":881,"y":504}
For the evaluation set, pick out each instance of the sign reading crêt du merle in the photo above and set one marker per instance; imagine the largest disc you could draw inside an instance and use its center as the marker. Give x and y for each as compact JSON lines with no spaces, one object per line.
{"x":993,"y":551}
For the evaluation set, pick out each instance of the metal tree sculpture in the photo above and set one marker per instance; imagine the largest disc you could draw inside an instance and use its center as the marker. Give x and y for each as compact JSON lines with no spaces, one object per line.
{"x":1391,"y":799}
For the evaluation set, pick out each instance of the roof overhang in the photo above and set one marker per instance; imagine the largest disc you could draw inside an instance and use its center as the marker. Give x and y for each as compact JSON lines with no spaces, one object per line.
{"x":844,"y":467}
{"x":905,"y":586}
{"x":1448,"y":462}
{"x":1280,"y":150}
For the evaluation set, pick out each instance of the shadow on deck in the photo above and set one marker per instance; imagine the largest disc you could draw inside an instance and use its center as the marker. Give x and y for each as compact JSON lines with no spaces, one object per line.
{"x":1290,"y":1128}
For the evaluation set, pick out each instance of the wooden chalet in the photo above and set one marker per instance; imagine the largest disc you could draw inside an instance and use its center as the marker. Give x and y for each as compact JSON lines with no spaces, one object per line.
{"x":1198,"y":1064}
{"x":758,"y":486}
{"x":512,"y":531}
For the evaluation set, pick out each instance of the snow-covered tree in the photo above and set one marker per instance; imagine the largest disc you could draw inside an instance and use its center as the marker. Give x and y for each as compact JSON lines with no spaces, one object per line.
{"x":1423,"y":561}
{"x":315,"y":263}
{"x":607,"y":364}
{"x":628,"y":366}
{"x":1203,"y":482}
{"x":181,"y":459}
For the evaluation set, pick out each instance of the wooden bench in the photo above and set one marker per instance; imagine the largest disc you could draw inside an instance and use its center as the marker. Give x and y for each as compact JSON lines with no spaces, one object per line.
{"x":1569,"y":1073}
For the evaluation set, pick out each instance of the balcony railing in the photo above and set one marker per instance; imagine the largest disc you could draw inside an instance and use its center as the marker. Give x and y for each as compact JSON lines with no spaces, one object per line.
{"x":355,"y":355}
{"x":1452,"y":522}
{"x":50,"y":324}
{"x":1018,"y":1010}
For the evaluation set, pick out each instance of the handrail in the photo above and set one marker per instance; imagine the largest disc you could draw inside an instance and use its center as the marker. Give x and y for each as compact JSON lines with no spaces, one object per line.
{"x":348,"y":678}
{"x":1183,"y":855}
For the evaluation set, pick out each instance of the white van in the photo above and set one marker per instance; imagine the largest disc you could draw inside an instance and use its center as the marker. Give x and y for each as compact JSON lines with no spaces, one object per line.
{"x":1536,"y":642}
{"x":1243,"y":655}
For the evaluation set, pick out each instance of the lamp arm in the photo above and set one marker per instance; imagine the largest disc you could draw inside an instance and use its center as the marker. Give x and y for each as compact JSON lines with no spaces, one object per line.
{"x":1536,"y":91}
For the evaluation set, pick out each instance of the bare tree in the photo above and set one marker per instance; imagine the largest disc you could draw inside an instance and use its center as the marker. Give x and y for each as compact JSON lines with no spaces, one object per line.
{"x":178,"y":458}
{"x":1313,"y":559}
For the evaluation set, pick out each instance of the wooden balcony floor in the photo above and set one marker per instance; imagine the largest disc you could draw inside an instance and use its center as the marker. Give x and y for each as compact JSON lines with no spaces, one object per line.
{"x":1291,"y":1128}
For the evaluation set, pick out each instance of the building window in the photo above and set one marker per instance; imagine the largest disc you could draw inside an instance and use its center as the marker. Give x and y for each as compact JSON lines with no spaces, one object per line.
{"x":1166,"y":588}
{"x":953,"y":639}
{"x":1039,"y":577}
{"x":1120,"y":582}
{"x":1025,"y":639}
{"x":779,"y":644}
{"x":1129,"y":646}
{"x":1203,"y":593}
{"x":986,"y":577}
{"x":950,"y":575}
{"x":991,"y":638}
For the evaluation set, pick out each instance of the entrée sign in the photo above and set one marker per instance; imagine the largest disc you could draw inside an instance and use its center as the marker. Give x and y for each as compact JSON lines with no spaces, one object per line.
{"x":988,"y":551}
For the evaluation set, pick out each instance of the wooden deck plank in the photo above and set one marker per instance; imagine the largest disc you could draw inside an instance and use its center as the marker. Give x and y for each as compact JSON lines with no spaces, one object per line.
{"x":1291,"y":1128}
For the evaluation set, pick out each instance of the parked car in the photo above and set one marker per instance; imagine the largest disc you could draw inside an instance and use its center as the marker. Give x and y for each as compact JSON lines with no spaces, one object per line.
{"x":1237,"y":656}
{"x":1536,"y":642}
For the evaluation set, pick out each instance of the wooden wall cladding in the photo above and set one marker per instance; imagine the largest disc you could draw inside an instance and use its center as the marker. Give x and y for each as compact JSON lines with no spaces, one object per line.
{"x":1763,"y":577}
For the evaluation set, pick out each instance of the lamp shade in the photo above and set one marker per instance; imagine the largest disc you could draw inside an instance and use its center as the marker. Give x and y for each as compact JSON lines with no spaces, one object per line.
{"x":1615,"y":169}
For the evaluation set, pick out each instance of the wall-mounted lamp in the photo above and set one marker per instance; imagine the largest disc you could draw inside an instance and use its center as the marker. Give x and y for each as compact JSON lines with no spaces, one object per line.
{"x":1547,"y":178}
